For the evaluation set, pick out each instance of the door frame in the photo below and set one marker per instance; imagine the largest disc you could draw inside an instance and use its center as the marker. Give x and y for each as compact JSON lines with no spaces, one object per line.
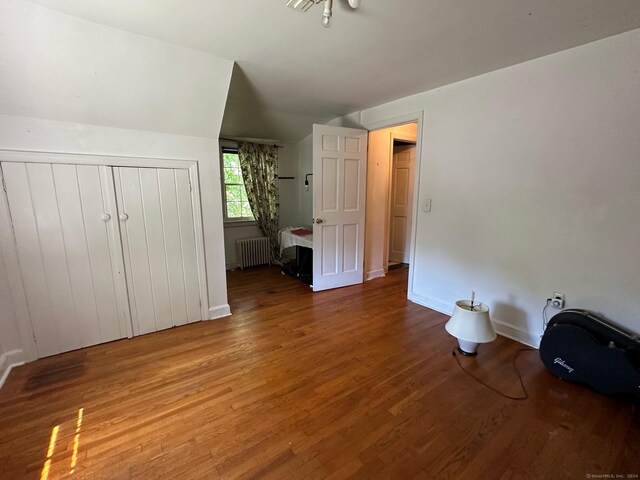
{"x":418,"y":118}
{"x":394,"y":137}
{"x":9,"y":253}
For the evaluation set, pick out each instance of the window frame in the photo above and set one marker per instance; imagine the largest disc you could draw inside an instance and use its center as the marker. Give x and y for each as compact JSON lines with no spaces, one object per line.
{"x":230,"y":221}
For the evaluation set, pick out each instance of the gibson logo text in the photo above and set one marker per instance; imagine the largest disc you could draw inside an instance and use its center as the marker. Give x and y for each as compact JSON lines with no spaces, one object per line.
{"x":560,"y":362}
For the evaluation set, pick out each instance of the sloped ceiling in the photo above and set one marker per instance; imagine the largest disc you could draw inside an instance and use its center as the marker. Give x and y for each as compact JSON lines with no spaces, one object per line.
{"x":292,"y":72}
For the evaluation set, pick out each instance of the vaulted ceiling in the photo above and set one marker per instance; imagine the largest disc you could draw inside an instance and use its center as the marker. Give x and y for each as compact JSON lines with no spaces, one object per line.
{"x":292,"y":72}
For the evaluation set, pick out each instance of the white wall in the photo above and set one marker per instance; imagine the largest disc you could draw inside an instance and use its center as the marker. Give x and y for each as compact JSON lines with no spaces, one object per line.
{"x":59,"y":67}
{"x":534,"y":172}
{"x":71,"y":86}
{"x":305,"y":165}
{"x":289,"y":189}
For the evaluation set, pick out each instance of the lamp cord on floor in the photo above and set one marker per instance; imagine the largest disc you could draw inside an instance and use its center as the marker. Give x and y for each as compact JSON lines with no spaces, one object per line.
{"x":515,"y":367}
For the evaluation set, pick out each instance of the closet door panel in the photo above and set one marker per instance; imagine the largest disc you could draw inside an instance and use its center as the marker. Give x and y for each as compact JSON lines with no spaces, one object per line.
{"x":159,"y":243}
{"x":30,"y":256}
{"x":57,"y":212}
{"x":189,"y":249}
{"x":54,"y":255}
{"x":154,"y":227}
{"x":93,"y":201}
{"x":173,"y":245}
{"x":136,"y":250}
{"x":85,"y":322}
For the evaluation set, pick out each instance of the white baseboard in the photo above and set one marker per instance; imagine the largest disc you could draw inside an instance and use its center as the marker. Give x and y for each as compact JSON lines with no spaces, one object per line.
{"x":374,"y":274}
{"x":516,"y":334}
{"x":436,"y":305}
{"x":8,"y":360}
{"x":504,"y":329}
{"x":219,"y":311}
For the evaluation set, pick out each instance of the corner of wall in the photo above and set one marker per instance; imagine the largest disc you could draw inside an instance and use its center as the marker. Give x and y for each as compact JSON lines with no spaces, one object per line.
{"x":374,"y":274}
{"x":427,"y":302}
{"x":8,"y":360}
{"x":516,"y":334}
{"x":219,"y":311}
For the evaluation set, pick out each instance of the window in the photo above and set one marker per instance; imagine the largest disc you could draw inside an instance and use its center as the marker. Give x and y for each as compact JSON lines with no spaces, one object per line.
{"x":236,"y":204}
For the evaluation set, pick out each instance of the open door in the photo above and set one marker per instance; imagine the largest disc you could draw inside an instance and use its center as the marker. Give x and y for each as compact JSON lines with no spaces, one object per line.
{"x":401,"y":202}
{"x":339,"y":184}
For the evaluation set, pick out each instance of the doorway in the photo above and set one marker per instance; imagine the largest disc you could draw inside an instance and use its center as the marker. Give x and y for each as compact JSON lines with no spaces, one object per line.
{"x":384,"y":227}
{"x":401,"y":202}
{"x":390,"y":198}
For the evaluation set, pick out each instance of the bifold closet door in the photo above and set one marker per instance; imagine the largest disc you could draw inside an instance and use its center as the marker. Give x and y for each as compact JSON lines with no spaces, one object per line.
{"x":68,"y":253}
{"x":159,"y":245}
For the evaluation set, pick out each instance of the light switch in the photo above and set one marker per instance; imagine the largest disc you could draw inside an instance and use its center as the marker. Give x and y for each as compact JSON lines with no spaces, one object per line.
{"x":426,"y":206}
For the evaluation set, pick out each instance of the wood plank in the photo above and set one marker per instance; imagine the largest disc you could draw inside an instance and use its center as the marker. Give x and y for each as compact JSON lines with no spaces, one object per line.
{"x":54,"y":255}
{"x":189,"y":247}
{"x":154,"y":230}
{"x":30,"y":256}
{"x":135,"y":246}
{"x":173,"y":245}
{"x":85,"y":321}
{"x":102,"y":263}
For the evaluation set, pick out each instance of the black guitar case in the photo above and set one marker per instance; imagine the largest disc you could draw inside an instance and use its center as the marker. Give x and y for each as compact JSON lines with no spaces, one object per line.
{"x":579,"y":346}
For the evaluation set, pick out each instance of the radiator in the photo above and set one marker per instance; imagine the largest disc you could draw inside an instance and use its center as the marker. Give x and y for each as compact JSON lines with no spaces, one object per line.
{"x":253,"y":251}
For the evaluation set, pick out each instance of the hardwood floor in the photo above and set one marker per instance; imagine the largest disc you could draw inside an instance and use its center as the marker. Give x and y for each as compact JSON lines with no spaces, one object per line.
{"x":355,"y":382}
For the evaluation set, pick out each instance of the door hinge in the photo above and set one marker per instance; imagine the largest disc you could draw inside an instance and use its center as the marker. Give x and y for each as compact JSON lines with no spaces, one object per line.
{"x":200,"y":301}
{"x":4,"y":185}
{"x":190,"y":188}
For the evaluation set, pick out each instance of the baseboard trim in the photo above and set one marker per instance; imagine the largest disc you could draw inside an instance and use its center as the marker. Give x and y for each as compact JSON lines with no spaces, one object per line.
{"x":231,"y":265}
{"x":501,"y":328}
{"x":436,"y":305}
{"x":516,"y":334}
{"x":219,"y":311}
{"x":8,"y":360}
{"x":374,"y":274}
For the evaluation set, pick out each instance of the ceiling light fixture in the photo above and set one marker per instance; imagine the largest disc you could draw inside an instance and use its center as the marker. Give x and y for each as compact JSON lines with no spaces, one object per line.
{"x":326,"y":14}
{"x":301,"y":5}
{"x":304,"y":5}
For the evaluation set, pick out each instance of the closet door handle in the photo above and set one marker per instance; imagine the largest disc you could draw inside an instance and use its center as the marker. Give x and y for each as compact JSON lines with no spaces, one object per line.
{"x":124,"y":217}
{"x":318,"y":220}
{"x":106,"y":217}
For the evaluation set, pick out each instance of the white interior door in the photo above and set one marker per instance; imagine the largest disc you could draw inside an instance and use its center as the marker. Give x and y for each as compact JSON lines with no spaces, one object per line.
{"x":68,"y":253}
{"x":159,"y":244}
{"x":404,"y":158}
{"x":339,"y":187}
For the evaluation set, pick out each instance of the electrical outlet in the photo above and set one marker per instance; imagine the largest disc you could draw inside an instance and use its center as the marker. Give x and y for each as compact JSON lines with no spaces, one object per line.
{"x":557,"y":301}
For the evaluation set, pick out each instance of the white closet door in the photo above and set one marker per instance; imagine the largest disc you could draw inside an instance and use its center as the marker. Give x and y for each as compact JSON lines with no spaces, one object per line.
{"x":65,"y":244}
{"x":159,"y":243}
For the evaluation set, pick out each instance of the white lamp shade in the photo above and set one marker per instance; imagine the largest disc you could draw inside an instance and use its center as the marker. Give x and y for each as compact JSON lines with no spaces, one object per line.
{"x":471,"y":325}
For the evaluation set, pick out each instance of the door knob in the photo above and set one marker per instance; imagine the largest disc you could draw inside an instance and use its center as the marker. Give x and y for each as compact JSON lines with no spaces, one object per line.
{"x":106,"y":217}
{"x":124,"y":217}
{"x":318,"y":220}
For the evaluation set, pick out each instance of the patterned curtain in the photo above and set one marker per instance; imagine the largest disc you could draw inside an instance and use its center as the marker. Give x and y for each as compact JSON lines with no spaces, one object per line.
{"x":259,"y":164}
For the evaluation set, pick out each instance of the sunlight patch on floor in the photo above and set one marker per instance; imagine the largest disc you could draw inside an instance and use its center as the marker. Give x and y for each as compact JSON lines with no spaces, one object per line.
{"x":46,"y":467}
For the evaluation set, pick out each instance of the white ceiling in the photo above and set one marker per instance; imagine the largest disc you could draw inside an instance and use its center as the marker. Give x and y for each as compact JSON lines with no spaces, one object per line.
{"x":292,"y":72}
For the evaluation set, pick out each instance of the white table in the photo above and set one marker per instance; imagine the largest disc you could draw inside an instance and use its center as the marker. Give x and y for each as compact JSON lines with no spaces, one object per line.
{"x":302,"y":267}
{"x":288,"y":239}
